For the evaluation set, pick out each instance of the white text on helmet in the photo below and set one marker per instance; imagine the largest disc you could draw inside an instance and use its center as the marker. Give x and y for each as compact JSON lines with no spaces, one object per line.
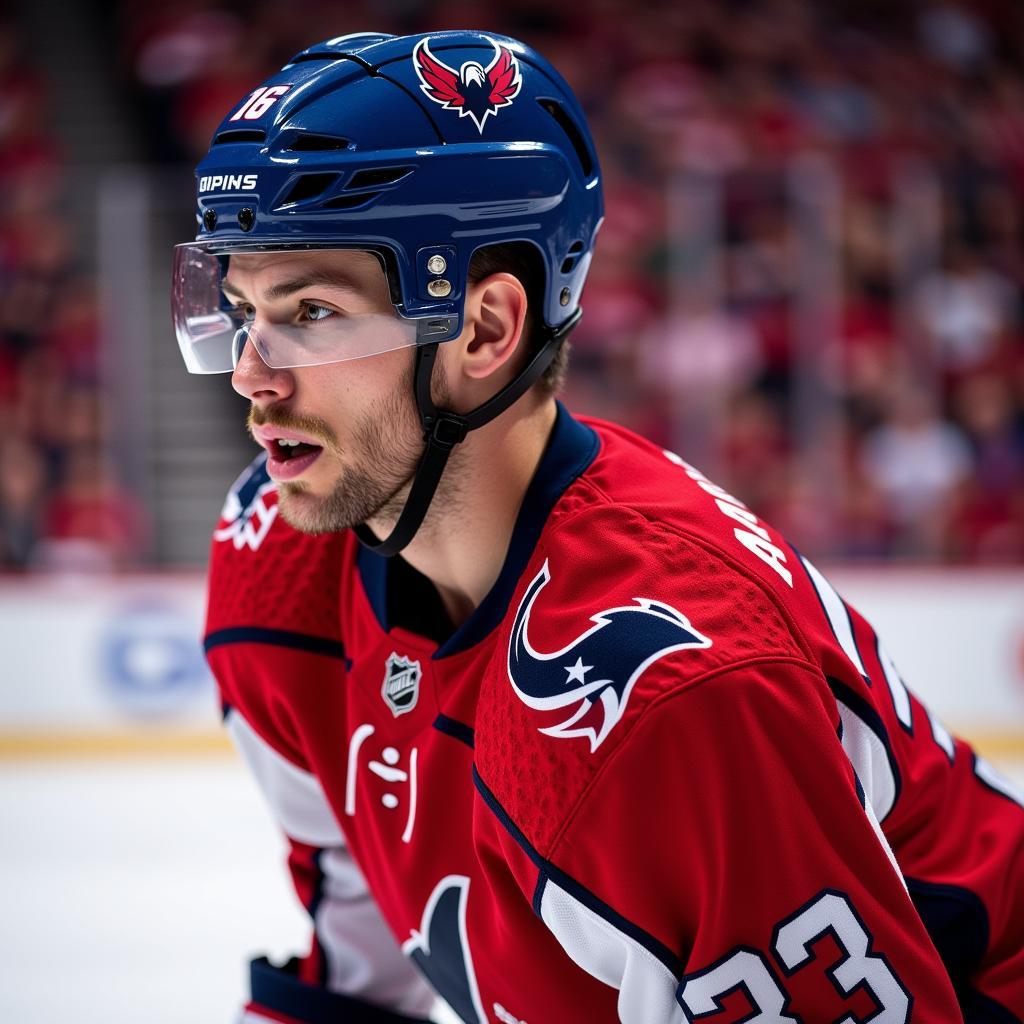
{"x":259,"y":102}
{"x":227,"y":182}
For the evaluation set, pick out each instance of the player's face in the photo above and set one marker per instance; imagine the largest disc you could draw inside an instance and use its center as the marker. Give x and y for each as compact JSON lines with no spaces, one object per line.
{"x":355,"y":422}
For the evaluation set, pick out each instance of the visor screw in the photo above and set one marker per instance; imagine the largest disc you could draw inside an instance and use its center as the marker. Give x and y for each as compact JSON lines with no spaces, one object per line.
{"x":210,"y":219}
{"x":437,"y":264}
{"x":439,"y":289}
{"x":246,"y":218}
{"x":564,"y":297}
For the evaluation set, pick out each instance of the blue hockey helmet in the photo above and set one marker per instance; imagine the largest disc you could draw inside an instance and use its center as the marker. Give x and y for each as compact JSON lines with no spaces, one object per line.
{"x":421,"y":149}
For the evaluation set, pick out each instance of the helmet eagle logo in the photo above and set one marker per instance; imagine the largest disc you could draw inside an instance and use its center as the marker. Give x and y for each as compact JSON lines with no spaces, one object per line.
{"x":474,"y":91}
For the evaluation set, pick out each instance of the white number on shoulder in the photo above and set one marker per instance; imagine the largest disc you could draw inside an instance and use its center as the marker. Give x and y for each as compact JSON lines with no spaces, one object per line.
{"x":701,"y":994}
{"x":748,"y":971}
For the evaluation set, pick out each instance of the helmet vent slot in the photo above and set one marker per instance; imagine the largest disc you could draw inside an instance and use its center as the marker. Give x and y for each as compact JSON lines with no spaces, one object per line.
{"x":572,"y":257}
{"x":240,"y":135}
{"x":350,"y":202}
{"x":306,"y":142}
{"x":569,"y":126}
{"x":376,"y":176}
{"x":309,"y":186}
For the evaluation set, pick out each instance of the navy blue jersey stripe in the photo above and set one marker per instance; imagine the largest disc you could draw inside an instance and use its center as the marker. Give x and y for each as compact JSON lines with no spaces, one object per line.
{"x":506,"y":822}
{"x":671,"y":960}
{"x":318,"y":888}
{"x":538,"y":892}
{"x":550,"y":872}
{"x":373,"y":572}
{"x":319,"y":892}
{"x":275,"y":638}
{"x":456,"y":729}
{"x":571,"y":449}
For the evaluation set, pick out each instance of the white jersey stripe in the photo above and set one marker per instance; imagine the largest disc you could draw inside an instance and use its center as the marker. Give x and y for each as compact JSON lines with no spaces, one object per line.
{"x":941,"y":735}
{"x":295,"y":795}
{"x":997,"y":780}
{"x":870,"y":761}
{"x":363,"y":958}
{"x":838,"y":616}
{"x":646,"y":986}
{"x":900,"y":696}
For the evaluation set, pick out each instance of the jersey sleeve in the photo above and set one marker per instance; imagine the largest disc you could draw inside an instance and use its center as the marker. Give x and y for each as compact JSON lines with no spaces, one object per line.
{"x":352,"y":953}
{"x":724,"y":866}
{"x":273,"y":643}
{"x":956,"y":826}
{"x":354,"y":965}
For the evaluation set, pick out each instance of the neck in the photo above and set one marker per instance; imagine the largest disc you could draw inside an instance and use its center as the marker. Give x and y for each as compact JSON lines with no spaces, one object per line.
{"x":462,"y":543}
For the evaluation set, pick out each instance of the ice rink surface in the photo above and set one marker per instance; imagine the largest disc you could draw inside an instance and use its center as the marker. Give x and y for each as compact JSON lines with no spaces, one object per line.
{"x":134,"y":891}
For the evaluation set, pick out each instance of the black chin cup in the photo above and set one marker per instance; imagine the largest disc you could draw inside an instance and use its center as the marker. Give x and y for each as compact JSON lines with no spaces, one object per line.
{"x":443,"y":430}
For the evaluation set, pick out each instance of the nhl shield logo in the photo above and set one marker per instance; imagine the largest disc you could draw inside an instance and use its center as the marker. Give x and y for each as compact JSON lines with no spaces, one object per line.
{"x":401,"y":687}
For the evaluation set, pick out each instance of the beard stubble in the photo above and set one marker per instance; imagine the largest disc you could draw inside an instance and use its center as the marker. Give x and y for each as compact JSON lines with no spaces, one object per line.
{"x":381,"y":461}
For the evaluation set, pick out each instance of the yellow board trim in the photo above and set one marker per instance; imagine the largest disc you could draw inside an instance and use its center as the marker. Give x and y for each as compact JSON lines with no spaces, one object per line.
{"x":60,"y":746}
{"x":998,"y":746}
{"x":39,"y":746}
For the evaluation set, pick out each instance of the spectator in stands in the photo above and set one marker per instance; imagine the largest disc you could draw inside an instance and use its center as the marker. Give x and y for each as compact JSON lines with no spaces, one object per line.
{"x":917,"y":462}
{"x":90,"y":523}
{"x":22,"y":499}
{"x":724,"y":94}
{"x":964,"y":309}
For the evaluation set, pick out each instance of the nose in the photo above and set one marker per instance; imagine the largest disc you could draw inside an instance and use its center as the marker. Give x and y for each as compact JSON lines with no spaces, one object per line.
{"x":252,"y":378}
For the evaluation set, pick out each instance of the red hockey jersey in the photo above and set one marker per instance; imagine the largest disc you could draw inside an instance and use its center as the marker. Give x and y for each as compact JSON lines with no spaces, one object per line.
{"x":663,"y":773}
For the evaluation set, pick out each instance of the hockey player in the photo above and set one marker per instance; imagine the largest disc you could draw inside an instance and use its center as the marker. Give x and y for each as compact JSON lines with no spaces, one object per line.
{"x":559,"y":731}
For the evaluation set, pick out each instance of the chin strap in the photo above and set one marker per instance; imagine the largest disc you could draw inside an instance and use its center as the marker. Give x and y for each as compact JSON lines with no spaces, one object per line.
{"x":443,"y":430}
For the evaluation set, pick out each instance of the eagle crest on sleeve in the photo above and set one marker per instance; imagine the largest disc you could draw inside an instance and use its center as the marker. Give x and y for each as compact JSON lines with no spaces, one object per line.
{"x":592,"y":677}
{"x":474,"y":91}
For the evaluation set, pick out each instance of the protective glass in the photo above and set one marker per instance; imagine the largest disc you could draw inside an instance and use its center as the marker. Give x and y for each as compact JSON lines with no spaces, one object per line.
{"x":212,"y":329}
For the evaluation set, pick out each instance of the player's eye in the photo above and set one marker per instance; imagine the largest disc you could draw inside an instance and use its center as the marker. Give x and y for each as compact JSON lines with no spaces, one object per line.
{"x":315,"y":312}
{"x":242,"y":311}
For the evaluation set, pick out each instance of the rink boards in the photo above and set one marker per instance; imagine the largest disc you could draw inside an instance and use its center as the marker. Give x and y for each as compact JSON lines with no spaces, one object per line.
{"x":116,"y":666}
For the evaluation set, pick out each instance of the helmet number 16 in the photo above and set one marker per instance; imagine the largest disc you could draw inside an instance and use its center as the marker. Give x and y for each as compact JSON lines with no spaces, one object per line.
{"x":259,"y":102}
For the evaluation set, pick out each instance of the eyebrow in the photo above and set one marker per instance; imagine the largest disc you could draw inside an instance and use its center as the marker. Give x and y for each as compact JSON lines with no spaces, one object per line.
{"x":281,"y":290}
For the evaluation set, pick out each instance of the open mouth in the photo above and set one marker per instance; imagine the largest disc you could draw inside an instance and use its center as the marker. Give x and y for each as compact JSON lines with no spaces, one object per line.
{"x":285,"y":450}
{"x":289,"y":457}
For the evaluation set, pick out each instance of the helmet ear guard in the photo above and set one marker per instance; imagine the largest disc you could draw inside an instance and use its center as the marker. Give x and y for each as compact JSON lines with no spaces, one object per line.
{"x":423,"y":150}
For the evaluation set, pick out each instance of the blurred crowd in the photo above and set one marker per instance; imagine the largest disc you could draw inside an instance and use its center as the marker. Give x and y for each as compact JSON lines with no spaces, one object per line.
{"x":60,"y":503}
{"x":809,"y":279}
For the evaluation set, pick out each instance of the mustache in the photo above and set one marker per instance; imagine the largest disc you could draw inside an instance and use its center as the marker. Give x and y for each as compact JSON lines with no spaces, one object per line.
{"x":312,"y":425}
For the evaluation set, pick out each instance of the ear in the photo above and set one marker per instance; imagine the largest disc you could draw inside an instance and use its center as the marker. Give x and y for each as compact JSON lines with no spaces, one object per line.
{"x":493,"y":326}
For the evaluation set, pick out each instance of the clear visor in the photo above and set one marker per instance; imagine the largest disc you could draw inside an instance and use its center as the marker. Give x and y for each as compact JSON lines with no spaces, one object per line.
{"x":319,"y":322}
